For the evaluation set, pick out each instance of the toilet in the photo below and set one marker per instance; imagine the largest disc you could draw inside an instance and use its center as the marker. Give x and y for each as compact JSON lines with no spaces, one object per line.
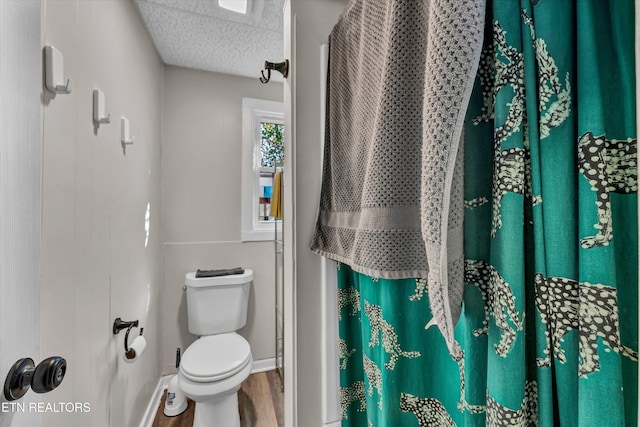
{"x":213,"y":367}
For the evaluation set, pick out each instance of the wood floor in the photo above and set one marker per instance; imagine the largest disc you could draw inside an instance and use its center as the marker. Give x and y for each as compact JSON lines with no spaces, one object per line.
{"x":260,"y":400}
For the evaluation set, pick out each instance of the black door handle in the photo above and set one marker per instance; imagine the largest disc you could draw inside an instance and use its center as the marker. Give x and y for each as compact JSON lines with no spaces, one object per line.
{"x":48,"y":374}
{"x":42,"y":378}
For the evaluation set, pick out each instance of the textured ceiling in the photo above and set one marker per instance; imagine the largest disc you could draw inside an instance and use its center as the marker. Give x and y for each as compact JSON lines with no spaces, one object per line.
{"x":199,"y":34}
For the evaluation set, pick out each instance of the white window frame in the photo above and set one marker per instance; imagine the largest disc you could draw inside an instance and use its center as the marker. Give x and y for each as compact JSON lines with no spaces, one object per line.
{"x":254,"y":112}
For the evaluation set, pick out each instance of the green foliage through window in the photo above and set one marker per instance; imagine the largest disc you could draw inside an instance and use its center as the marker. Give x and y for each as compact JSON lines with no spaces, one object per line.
{"x":271,"y":145}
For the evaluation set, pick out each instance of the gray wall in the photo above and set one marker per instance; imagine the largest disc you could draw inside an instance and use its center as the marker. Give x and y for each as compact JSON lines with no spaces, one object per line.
{"x":95,"y":263}
{"x":201,"y":190}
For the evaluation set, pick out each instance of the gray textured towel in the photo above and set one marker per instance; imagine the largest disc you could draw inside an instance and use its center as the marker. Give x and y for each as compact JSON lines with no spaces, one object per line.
{"x":400,"y":77}
{"x":218,"y":273}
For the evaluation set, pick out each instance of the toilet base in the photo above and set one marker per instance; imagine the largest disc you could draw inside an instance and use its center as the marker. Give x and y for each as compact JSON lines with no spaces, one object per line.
{"x":217,"y":401}
{"x":221,"y":411}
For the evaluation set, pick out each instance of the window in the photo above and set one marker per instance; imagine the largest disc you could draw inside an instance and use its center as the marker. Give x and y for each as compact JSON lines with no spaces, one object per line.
{"x":262,"y":156}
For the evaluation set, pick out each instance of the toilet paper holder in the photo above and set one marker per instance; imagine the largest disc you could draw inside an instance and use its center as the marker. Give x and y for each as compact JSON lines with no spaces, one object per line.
{"x":119,"y":325}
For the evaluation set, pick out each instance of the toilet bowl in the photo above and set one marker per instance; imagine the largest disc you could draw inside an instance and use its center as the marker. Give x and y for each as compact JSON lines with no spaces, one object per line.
{"x":215,"y":365}
{"x":211,"y":372}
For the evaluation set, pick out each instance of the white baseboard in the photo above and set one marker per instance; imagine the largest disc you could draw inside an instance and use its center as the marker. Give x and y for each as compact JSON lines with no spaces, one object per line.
{"x":261,"y":365}
{"x":333,"y":424}
{"x":152,"y":407}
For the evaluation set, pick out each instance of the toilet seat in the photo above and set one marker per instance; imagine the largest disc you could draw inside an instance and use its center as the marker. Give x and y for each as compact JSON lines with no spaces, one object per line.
{"x":215,"y":357}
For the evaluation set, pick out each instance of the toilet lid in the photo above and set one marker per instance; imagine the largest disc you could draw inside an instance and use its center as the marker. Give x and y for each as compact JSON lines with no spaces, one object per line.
{"x":215,"y":357}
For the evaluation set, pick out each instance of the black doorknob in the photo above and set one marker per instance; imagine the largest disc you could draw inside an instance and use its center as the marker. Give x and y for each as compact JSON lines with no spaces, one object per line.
{"x":18,"y":379}
{"x":48,"y":374}
{"x":42,"y":378}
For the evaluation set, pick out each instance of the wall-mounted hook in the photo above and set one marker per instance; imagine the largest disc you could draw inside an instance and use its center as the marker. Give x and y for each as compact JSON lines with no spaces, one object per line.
{"x":125,"y":138}
{"x":99,"y":108}
{"x":266,"y":79}
{"x":281,"y":67}
{"x":54,"y":71}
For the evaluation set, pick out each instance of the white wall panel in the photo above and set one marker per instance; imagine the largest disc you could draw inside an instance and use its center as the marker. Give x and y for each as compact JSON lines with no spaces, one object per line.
{"x":97,"y":263}
{"x":20,"y":181}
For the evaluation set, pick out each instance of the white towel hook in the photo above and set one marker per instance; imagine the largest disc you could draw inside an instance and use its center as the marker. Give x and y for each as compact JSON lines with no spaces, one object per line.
{"x":99,"y":108}
{"x":54,"y":70}
{"x":125,"y":138}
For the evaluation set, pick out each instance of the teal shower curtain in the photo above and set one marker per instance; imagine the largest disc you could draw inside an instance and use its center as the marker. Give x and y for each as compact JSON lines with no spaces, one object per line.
{"x":549,"y":329}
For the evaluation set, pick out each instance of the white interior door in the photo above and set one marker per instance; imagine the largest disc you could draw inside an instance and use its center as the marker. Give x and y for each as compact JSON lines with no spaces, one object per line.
{"x":289,"y":307}
{"x":20,"y":197}
{"x":310,"y":383}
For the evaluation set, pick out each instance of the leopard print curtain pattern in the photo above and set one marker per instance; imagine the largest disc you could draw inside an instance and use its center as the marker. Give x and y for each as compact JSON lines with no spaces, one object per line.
{"x":548,"y":334}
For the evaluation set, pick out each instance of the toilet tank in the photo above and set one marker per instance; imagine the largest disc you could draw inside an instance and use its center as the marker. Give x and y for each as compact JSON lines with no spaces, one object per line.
{"x":217,"y":305}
